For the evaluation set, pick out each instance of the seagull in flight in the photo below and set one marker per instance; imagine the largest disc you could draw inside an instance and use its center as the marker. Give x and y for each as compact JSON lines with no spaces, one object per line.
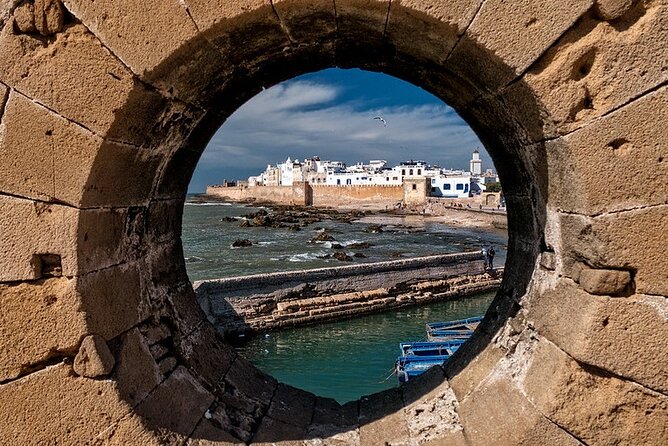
{"x":379,"y":118}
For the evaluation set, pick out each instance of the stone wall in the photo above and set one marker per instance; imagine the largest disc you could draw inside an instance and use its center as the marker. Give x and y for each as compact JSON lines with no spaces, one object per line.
{"x":269,"y":301}
{"x":106,"y":107}
{"x":311,"y":194}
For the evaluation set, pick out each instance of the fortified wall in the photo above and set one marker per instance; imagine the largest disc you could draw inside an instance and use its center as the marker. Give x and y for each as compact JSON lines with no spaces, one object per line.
{"x":239,"y":305}
{"x":106,"y":107}
{"x":306,"y":194}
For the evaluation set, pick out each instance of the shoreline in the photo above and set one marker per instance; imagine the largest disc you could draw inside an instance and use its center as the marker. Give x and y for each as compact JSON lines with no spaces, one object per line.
{"x":450,"y":215}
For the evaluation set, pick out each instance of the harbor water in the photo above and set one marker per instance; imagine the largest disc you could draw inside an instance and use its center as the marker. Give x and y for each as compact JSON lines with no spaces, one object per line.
{"x":342,"y":360}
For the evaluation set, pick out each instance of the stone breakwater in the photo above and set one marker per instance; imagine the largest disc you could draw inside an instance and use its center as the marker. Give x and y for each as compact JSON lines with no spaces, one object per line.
{"x":241,"y":305}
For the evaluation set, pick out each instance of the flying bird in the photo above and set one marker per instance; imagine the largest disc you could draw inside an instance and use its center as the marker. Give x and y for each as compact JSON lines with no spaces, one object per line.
{"x":378,"y":118}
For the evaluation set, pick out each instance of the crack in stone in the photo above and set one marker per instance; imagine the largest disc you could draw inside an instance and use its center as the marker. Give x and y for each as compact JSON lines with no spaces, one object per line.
{"x":282,"y":24}
{"x":601,"y":215}
{"x":466,"y":28}
{"x":387,"y":18}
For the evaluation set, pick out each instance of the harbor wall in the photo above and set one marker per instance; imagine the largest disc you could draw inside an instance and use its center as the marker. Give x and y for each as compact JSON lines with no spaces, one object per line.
{"x":239,"y":305}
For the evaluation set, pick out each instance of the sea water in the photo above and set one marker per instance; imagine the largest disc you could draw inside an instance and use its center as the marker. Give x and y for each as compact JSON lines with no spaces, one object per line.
{"x":347,"y":359}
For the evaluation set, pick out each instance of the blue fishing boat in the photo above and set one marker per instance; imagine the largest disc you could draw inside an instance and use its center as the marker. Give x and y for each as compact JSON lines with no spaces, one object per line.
{"x":444,"y":338}
{"x":446,"y":348}
{"x":458,"y":329}
{"x":408,"y":367}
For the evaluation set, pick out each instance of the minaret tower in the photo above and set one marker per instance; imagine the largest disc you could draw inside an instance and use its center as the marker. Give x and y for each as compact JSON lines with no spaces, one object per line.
{"x":476,"y":163}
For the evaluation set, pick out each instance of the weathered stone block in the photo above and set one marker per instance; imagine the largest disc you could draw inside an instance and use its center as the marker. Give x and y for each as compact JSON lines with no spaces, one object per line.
{"x":505,"y":38}
{"x":53,"y":406}
{"x":250,"y":381}
{"x":32,"y":229}
{"x":615,"y":163}
{"x":596,"y":408}
{"x":107,"y":95}
{"x":598,"y":66}
{"x":111,"y":299}
{"x":429,"y":31}
{"x":136,"y":372}
{"x":49,"y":157}
{"x":627,"y":240}
{"x":604,"y":281}
{"x":272,"y":432}
{"x":292,"y":406}
{"x":612,"y":9}
{"x":94,"y":358}
{"x":475,"y":372}
{"x":186,"y":399}
{"x":24,"y":17}
{"x":210,"y":434}
{"x":208,"y":356}
{"x":140,"y":34}
{"x":485,"y":418}
{"x":49,"y":16}
{"x":382,"y":420}
{"x":431,"y":407}
{"x":39,"y":320}
{"x":308,"y":21}
{"x":624,"y":336}
{"x":548,"y":260}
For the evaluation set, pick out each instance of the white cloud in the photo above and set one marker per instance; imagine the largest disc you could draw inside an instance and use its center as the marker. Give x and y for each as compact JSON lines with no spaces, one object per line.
{"x":301,"y":119}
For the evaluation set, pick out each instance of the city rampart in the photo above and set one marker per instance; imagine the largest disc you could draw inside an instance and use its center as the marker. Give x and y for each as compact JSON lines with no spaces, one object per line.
{"x":107,"y":106}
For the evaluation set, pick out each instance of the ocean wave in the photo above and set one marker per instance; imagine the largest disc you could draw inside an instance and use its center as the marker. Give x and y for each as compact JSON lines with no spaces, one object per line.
{"x":304,"y":257}
{"x":193,"y":259}
{"x":267,"y":243}
{"x":207,"y":203}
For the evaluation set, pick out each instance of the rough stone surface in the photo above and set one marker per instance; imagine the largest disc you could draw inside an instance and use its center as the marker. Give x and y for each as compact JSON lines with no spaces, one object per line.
{"x":612,"y":9}
{"x":40,"y":320}
{"x":605,"y":332}
{"x":49,"y":16}
{"x":604,"y":281}
{"x":140,"y":34}
{"x":105,"y":110}
{"x":604,"y":409}
{"x":629,"y":240}
{"x":94,"y":359}
{"x":54,"y":406}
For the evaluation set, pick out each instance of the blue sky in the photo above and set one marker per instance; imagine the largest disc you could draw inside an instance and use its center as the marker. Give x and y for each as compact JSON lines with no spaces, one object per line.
{"x":330,"y":114}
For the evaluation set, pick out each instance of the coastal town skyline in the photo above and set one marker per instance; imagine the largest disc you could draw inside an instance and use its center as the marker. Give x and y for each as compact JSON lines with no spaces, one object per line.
{"x":333,"y":113}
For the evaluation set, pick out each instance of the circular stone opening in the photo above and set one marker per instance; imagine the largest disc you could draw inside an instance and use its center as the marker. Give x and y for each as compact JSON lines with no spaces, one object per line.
{"x":392,"y":254}
{"x":198,"y":87}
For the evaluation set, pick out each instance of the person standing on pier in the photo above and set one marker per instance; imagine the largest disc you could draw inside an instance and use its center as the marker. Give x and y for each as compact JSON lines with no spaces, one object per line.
{"x":490,"y":257}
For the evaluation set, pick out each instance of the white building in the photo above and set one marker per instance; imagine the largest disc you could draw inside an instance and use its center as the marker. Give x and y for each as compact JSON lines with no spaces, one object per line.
{"x":476,"y":164}
{"x":451,"y":186}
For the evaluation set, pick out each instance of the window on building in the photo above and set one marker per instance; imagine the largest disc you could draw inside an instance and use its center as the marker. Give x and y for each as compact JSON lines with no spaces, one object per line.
{"x":410,"y":172}
{"x":395,"y":178}
{"x":349,"y":181}
{"x":419,"y":171}
{"x":466,"y":188}
{"x":387,"y":178}
{"x":433,"y":181}
{"x":460,"y":186}
{"x":446,"y":186}
{"x":433,"y":189}
{"x":403,"y":172}
{"x":414,"y":186}
{"x":338,"y":182}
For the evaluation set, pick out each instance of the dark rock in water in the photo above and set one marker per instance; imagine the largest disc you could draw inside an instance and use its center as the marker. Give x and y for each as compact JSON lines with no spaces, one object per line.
{"x":323,"y":236}
{"x":228,"y":219}
{"x":245,"y":224}
{"x":397,"y":254}
{"x":294,"y":228}
{"x":241,"y":243}
{"x":374,"y":228}
{"x":261,"y":220}
{"x":359,"y":255}
{"x":342,"y":257}
{"x":337,"y":246}
{"x":360,"y":245}
{"x":326,"y":256}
